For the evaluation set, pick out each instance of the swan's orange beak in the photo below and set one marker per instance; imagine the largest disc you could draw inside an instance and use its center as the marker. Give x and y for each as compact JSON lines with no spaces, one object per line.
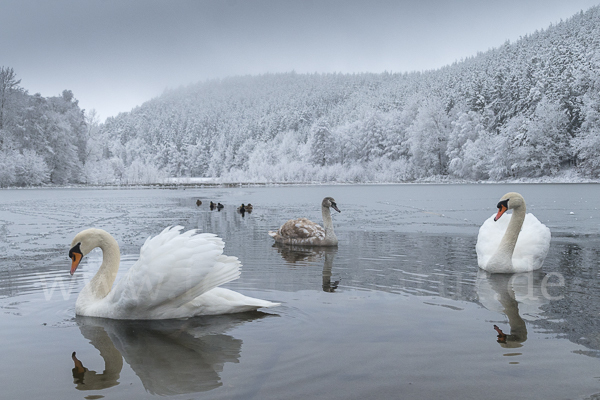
{"x":501,"y":211}
{"x":76,"y":260}
{"x":75,"y":255}
{"x":502,"y":207}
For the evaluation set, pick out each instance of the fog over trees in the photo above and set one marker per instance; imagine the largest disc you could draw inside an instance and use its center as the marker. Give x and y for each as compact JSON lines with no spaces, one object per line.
{"x":528,"y":109}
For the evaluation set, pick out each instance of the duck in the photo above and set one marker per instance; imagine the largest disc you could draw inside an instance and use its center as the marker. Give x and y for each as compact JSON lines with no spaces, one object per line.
{"x":212,"y":205}
{"x":198,"y":203}
{"x":220,"y":206}
{"x":516,"y":243}
{"x":248,"y":208}
{"x":242,"y":208}
{"x":178,"y":275}
{"x":304,"y":232}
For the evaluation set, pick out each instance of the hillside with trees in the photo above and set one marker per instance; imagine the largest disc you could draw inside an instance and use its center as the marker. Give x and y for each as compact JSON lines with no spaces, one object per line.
{"x":42,"y":140}
{"x":528,"y":109}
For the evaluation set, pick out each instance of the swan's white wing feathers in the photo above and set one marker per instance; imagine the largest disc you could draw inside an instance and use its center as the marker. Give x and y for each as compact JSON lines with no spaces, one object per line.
{"x":531,"y":248}
{"x":489,"y":237}
{"x":172,"y":270}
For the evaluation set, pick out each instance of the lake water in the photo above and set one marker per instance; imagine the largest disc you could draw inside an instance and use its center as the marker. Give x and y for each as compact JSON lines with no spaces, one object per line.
{"x":398,"y":310}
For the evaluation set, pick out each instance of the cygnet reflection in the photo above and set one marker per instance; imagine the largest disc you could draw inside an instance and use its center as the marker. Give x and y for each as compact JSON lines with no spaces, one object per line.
{"x":304,"y":255}
{"x":328,"y":285}
{"x":169,"y":356}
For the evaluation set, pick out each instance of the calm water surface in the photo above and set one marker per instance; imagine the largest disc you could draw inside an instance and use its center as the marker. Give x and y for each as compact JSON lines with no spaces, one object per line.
{"x":398,"y":310}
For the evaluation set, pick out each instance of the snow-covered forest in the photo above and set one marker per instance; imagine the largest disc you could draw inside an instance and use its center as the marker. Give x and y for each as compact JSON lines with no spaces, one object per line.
{"x":527,"y":109}
{"x":42,"y":140}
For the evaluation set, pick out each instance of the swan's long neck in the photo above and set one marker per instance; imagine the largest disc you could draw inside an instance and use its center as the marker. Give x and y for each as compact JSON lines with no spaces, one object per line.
{"x":509,"y":240}
{"x":327,"y":222}
{"x":102,"y":282}
{"x":501,"y":260}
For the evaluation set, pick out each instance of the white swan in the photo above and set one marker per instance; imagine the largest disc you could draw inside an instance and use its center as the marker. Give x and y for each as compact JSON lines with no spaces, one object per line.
{"x":304,"y":232}
{"x":176,"y":276}
{"x":518,"y":243}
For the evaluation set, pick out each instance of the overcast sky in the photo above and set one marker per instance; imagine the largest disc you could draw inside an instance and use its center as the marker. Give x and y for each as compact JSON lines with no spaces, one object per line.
{"x":116,"y":54}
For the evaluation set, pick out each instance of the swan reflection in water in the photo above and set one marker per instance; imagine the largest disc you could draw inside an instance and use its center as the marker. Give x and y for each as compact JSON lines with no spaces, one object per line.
{"x":518,"y":296}
{"x":169,"y":356}
{"x":302,"y":255}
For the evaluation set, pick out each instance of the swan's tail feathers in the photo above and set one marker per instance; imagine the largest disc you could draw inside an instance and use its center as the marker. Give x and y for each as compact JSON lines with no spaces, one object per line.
{"x":255,"y":304}
{"x":272,"y":233}
{"x":224,"y":301}
{"x":271,"y":304}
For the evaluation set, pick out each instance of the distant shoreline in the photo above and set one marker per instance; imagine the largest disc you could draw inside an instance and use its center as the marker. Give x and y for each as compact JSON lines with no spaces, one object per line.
{"x":190,"y":183}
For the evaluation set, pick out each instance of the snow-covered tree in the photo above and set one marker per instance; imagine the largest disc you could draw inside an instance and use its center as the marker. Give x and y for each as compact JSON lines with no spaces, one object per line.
{"x":321,"y":143}
{"x":587,"y":143}
{"x":30,"y":169}
{"x":428,"y":137}
{"x":9,"y":84}
{"x":468,"y":147}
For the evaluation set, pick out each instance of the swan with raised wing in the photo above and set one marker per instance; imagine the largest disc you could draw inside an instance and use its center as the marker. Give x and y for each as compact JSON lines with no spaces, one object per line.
{"x":517,"y":243}
{"x":304,"y":232}
{"x":176,"y":276}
